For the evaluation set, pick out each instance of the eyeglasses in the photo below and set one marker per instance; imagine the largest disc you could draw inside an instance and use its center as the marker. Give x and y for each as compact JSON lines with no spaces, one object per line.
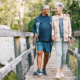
{"x":46,"y":9}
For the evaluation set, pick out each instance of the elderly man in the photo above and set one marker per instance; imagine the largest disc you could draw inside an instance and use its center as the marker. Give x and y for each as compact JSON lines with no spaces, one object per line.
{"x":42,"y":33}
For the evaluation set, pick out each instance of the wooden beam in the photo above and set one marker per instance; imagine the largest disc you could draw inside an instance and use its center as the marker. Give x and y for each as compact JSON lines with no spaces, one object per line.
{"x":34,"y":44}
{"x":77,"y":33}
{"x":29,"y":55}
{"x":78,"y":61}
{"x":76,"y":55}
{"x":6,"y":69}
{"x":17,"y":48}
{"x":13,"y":33}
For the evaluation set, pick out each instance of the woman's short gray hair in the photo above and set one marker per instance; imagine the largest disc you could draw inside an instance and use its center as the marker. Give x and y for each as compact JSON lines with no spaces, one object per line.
{"x":59,"y":4}
{"x":43,"y":7}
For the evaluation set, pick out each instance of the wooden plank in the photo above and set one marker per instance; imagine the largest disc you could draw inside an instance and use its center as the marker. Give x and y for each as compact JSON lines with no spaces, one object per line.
{"x":13,"y":33}
{"x":17,"y":49}
{"x":76,"y":55}
{"x":51,"y":70}
{"x":6,"y":69}
{"x":77,"y":33}
{"x":34,"y":44}
{"x":67,"y":58}
{"x":29,"y":55}
{"x":78,"y":61}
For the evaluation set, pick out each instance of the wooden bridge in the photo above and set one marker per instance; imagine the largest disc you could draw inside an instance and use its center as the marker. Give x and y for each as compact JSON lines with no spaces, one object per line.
{"x":51,"y":68}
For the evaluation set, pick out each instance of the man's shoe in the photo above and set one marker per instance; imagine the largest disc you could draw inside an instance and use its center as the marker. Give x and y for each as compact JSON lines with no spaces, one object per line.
{"x":57,"y":76}
{"x":44,"y":71}
{"x":38,"y":72}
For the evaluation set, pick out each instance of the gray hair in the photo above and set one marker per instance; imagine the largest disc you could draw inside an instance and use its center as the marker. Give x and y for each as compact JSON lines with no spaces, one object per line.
{"x":59,"y":4}
{"x":43,"y":7}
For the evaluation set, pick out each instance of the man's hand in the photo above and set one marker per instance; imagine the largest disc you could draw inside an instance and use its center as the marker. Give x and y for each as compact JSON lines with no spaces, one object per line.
{"x":53,"y":38}
{"x":69,"y":41}
{"x":36,"y":36}
{"x":67,"y":15}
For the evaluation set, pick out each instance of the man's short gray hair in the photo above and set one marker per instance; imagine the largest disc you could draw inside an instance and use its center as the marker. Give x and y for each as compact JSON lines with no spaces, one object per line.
{"x":59,"y":4}
{"x":43,"y":7}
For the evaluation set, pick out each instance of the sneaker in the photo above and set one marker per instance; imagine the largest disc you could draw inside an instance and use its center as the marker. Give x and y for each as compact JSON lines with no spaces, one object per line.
{"x":61,"y":74}
{"x":44,"y":71}
{"x":57,"y":76}
{"x":38,"y":72}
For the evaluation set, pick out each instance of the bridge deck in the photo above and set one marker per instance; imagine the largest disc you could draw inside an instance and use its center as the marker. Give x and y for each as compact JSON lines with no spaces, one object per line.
{"x":51,"y":71}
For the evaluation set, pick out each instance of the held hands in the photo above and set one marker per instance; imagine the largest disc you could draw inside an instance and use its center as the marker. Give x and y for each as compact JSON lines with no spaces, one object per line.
{"x":36,"y":36}
{"x":53,"y":38}
{"x":69,"y":41}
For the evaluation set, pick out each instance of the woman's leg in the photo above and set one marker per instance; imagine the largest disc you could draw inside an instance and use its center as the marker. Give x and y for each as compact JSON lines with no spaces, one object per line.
{"x":64,"y":52}
{"x":63,"y":59}
{"x":58,"y":49}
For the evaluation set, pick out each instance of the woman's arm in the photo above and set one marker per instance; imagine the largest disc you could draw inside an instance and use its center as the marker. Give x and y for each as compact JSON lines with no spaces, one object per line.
{"x":53,"y":35}
{"x":69,"y":29}
{"x":70,"y":32}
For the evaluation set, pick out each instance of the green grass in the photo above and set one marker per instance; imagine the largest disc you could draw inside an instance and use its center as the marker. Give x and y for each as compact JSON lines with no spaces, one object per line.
{"x":10,"y":76}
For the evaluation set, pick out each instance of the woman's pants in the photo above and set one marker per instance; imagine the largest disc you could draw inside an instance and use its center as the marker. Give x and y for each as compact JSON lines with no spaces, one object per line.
{"x":61,"y":51}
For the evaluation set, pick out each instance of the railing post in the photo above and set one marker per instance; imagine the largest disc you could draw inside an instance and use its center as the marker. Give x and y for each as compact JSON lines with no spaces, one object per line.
{"x":17,"y":49}
{"x":67,"y":58}
{"x":29,"y":55}
{"x":34,"y":44}
{"x":78,"y":62}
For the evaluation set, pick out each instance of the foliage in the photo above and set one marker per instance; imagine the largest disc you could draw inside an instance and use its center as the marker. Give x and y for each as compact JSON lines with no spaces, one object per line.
{"x":73,"y":65}
{"x":74,"y":11}
{"x":10,"y":76}
{"x":30,"y":16}
{"x":9,"y":12}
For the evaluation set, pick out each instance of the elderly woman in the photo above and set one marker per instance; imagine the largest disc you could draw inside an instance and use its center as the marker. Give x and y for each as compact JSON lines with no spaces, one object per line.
{"x":61,"y":34}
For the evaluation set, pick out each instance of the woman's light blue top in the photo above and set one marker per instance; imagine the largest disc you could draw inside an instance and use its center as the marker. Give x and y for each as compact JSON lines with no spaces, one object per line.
{"x":61,"y":27}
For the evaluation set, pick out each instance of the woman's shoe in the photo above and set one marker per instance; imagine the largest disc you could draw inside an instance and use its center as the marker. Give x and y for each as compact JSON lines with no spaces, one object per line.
{"x":57,"y":76}
{"x":61,"y":74}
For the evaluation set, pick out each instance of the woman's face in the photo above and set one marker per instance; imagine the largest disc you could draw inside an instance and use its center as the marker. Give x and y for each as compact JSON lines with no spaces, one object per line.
{"x":58,"y":10}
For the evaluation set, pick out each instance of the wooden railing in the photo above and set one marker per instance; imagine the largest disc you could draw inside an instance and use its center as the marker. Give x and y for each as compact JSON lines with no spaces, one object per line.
{"x":76,"y":55}
{"x":18,"y":55}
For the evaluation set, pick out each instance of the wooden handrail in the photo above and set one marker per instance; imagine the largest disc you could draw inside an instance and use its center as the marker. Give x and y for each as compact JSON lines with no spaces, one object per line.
{"x":6,"y":69}
{"x":76,"y":55}
{"x":14,"y":33}
{"x":18,"y":55}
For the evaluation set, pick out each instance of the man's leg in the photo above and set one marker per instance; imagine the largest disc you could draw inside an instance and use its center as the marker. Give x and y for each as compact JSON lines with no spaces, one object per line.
{"x":47,"y":48}
{"x":46,"y":57}
{"x":39,"y":59}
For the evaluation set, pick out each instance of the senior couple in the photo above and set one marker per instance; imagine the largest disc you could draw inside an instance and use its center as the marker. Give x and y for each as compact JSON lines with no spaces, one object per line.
{"x":46,"y":29}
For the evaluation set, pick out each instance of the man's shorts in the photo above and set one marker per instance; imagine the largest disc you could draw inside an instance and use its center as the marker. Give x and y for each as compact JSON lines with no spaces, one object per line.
{"x":44,"y":46}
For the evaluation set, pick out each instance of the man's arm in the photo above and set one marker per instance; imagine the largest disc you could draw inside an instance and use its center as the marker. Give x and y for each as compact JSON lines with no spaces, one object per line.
{"x":34,"y":30}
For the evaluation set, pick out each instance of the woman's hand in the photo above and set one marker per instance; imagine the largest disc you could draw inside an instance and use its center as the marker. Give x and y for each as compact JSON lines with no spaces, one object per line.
{"x":36,"y":36}
{"x":67,"y":15}
{"x":53,"y":38}
{"x":69,"y":41}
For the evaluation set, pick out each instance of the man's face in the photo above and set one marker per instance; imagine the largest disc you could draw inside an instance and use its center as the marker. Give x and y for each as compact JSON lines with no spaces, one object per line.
{"x":46,"y":10}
